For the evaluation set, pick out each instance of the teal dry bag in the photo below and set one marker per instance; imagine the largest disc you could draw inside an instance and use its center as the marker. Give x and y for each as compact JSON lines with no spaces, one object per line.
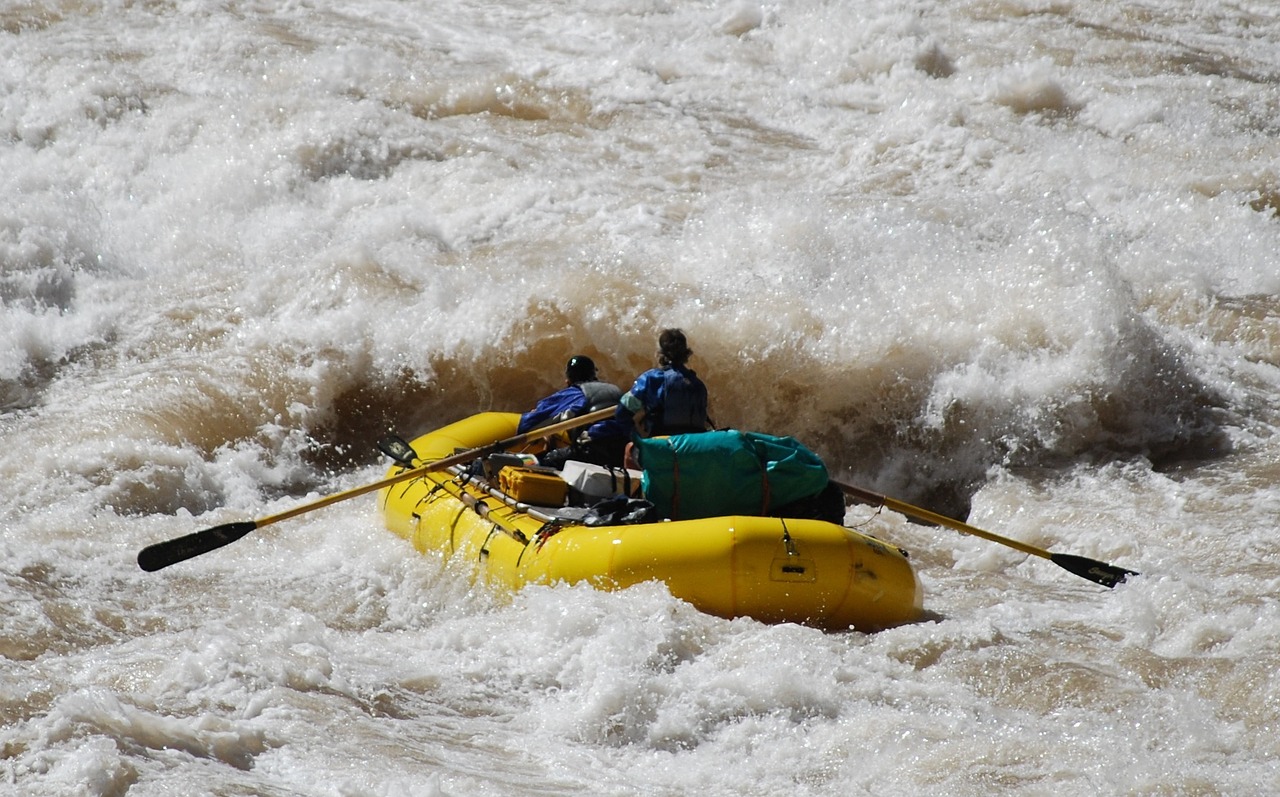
{"x":728,"y":472}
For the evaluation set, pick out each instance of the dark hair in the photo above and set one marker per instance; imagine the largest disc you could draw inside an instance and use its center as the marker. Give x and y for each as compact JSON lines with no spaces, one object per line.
{"x":673,"y":349}
{"x":580,"y":369}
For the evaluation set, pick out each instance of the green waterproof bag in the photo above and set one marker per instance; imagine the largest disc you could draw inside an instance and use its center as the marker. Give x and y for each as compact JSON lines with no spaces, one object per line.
{"x":727,"y":472}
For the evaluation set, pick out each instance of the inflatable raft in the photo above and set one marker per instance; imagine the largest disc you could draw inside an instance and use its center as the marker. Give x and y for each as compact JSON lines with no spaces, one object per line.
{"x":772,"y":569}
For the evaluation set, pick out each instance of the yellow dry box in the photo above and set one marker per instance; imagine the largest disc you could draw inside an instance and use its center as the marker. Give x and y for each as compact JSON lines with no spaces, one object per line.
{"x":542,"y":487}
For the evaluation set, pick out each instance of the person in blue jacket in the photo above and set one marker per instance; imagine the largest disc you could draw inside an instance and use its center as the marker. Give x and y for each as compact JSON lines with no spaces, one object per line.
{"x":601,"y":443}
{"x":669,"y":399}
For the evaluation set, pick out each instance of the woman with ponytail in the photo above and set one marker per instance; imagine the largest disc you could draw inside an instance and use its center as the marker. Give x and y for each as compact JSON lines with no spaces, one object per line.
{"x":669,"y":399}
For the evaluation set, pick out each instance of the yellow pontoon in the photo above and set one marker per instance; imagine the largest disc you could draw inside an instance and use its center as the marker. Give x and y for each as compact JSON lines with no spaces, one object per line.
{"x":772,"y":569}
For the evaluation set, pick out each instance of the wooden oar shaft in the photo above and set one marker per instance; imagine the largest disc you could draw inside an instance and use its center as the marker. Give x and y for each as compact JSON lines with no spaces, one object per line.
{"x":1107,"y":575}
{"x":163,"y":554}
{"x":441,"y":464}
{"x":876,"y":499}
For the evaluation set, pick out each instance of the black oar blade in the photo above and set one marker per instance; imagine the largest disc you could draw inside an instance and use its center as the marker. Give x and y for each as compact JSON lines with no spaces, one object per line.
{"x":396,"y":448}
{"x":180,"y":549}
{"x":1097,"y":572}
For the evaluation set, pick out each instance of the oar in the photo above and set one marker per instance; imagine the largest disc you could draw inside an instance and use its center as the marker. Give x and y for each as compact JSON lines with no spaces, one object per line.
{"x":395,"y":447}
{"x":1097,"y":572}
{"x":169,"y":552}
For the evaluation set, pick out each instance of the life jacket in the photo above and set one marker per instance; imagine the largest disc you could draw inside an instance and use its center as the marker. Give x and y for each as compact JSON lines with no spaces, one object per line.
{"x":684,"y":404}
{"x":599,"y":395}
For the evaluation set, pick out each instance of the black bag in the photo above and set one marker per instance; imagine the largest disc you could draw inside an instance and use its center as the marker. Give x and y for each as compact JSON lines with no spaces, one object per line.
{"x":826,"y":505}
{"x":619,"y":511}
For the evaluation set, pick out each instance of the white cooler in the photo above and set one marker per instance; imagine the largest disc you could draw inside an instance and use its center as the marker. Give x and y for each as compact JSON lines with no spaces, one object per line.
{"x":598,"y":481}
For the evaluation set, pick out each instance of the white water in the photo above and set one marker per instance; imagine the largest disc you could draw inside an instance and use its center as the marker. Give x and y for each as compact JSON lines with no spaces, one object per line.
{"x":1017,"y":256}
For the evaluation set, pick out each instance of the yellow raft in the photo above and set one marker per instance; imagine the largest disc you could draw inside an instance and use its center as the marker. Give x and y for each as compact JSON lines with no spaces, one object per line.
{"x":774,"y":570}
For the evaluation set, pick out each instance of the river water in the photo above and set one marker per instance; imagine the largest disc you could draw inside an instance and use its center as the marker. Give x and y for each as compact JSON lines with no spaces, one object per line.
{"x":1013,"y":260}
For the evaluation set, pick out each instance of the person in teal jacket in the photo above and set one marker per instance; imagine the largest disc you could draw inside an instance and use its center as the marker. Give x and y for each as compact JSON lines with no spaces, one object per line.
{"x":669,"y":399}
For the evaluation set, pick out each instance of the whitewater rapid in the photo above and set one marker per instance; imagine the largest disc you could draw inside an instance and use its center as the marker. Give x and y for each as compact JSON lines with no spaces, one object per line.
{"x":1014,"y":260}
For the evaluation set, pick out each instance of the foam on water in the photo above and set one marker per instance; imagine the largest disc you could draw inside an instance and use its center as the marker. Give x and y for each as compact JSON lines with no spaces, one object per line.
{"x":1010,"y":258}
